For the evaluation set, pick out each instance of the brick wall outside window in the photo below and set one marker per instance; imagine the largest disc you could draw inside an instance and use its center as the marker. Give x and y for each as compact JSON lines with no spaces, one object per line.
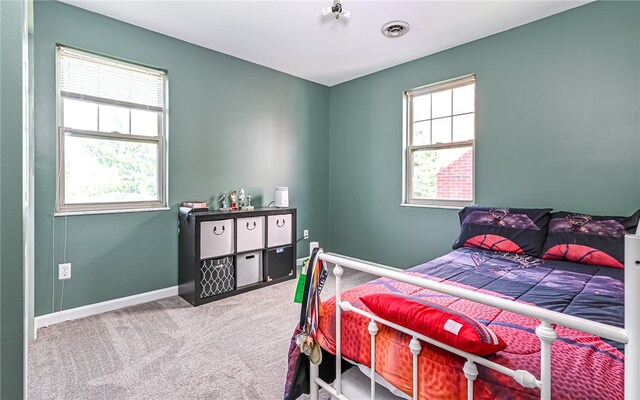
{"x":455,"y":180}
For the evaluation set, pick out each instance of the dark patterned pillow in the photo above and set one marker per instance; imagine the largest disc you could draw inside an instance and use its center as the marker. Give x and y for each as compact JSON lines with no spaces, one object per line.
{"x":588,"y":239}
{"x":512,"y":230}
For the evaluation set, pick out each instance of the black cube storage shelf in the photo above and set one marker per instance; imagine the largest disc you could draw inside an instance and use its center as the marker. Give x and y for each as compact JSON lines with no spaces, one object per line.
{"x":212,"y":245}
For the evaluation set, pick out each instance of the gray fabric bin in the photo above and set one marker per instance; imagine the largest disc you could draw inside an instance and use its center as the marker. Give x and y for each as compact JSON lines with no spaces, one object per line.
{"x":249,"y":268}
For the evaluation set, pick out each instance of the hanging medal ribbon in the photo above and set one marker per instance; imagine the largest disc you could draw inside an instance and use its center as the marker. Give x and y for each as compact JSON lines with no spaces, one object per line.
{"x":312,"y":309}
{"x":317,"y":277}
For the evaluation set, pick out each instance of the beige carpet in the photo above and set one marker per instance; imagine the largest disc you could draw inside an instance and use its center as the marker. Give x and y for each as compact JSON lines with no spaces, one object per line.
{"x":234,"y":348}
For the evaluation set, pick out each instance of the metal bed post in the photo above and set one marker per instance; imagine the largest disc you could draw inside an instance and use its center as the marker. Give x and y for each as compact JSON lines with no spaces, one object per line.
{"x":471,"y":372}
{"x":314,"y":389}
{"x":373,"y":331}
{"x":415,"y":347}
{"x":547,"y":336}
{"x":314,"y":370}
{"x":337,"y":271}
{"x":631,"y":316}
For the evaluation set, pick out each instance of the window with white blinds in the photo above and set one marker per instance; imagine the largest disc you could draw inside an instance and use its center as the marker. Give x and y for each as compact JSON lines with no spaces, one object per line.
{"x":111,"y":134}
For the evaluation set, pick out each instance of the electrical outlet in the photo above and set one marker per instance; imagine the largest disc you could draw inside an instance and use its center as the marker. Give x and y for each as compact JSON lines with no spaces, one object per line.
{"x":64,"y":271}
{"x":306,"y":234}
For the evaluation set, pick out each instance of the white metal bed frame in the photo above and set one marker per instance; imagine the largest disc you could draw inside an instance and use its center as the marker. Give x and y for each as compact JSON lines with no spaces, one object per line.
{"x":629,"y":336}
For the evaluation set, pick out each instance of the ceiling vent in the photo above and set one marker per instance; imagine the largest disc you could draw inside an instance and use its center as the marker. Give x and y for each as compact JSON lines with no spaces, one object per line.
{"x":395,"y":29}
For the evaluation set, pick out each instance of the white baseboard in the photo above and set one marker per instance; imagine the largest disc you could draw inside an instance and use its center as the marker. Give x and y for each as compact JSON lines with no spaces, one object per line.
{"x":99,"y":308}
{"x":110,"y":305}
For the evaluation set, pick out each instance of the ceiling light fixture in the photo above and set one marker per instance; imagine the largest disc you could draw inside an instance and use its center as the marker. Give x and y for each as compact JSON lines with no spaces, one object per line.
{"x":395,"y":29}
{"x":336,"y":10}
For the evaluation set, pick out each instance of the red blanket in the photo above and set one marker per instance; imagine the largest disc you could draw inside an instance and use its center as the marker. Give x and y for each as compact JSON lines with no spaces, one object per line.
{"x":583,"y":366}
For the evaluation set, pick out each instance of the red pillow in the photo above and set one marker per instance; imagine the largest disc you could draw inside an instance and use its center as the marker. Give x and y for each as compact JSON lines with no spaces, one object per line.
{"x":437,"y":322}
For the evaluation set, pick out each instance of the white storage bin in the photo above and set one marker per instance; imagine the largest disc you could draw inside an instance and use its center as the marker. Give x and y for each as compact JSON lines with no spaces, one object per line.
{"x":279,"y":230}
{"x":249,"y":268}
{"x":216,"y":238}
{"x":250,"y":233}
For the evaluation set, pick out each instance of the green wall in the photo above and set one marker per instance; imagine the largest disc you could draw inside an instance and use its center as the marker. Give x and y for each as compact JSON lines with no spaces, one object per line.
{"x":13,"y":36}
{"x":557,"y":126}
{"x":232,"y":124}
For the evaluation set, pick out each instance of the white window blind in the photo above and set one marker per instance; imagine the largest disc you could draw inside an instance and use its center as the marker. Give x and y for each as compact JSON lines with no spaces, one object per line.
{"x":111,"y":153}
{"x":442,"y":86}
{"x":84,"y":75}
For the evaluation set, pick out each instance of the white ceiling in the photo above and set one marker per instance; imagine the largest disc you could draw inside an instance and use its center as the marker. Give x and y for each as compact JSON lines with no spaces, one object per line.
{"x":294,"y":37}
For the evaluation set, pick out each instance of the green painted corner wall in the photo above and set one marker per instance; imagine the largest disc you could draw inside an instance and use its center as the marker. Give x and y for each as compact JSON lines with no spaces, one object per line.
{"x":232,"y":124}
{"x":13,"y":36}
{"x":557,"y":126}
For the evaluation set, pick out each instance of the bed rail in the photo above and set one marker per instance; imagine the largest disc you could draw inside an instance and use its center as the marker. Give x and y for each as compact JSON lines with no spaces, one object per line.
{"x":629,"y":336}
{"x":632,"y":316}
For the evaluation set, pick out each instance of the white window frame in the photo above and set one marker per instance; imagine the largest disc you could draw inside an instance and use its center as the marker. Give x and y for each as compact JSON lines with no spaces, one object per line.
{"x":408,"y":149}
{"x":62,"y":208}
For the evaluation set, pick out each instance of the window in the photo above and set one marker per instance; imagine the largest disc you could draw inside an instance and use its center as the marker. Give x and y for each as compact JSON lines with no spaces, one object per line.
{"x":439,"y":143}
{"x":111,"y":134}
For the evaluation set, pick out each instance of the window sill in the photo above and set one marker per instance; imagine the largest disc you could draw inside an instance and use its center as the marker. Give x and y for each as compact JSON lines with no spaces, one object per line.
{"x":431,"y":206}
{"x":123,"y":211}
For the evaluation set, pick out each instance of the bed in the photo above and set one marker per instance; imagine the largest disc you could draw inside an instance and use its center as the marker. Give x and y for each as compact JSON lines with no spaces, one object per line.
{"x":588,"y":297}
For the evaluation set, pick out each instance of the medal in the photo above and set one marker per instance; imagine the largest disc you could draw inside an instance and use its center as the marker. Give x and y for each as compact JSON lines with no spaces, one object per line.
{"x":300,"y":339}
{"x":316,"y":275}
